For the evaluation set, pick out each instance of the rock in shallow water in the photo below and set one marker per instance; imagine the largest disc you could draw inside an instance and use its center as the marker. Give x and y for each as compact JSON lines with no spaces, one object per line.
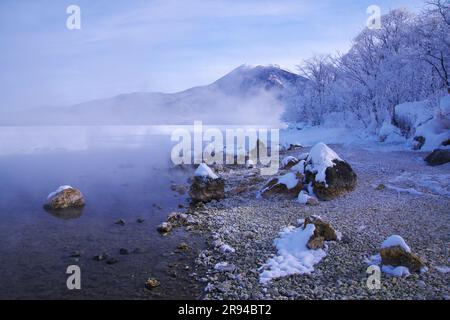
{"x":206,"y":189}
{"x":164,"y":227}
{"x":152,"y":283}
{"x":64,"y":197}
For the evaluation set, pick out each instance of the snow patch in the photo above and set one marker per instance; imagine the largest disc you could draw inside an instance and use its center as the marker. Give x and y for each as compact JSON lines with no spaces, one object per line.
{"x":399,"y":271}
{"x":204,"y":171}
{"x":290,"y":180}
{"x":60,"y":189}
{"x":395,"y":240}
{"x":299,"y":167}
{"x":303,"y":197}
{"x":293,"y":257}
{"x":287,"y":159}
{"x":443,"y":269}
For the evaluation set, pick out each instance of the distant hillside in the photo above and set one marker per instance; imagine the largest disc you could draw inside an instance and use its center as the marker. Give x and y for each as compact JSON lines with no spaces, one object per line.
{"x":247,"y":95}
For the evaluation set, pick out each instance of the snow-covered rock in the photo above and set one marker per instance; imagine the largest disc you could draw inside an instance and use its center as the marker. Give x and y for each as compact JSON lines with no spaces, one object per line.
{"x":288,"y":162}
{"x":424,"y":121}
{"x":396,"y":258}
{"x":206,"y":185}
{"x":287,"y":185}
{"x":204,"y":171}
{"x":64,"y":197}
{"x":164,"y":227}
{"x":319,"y":159}
{"x":408,"y":116}
{"x":299,"y":167}
{"x":395,"y":240}
{"x":328,"y":174}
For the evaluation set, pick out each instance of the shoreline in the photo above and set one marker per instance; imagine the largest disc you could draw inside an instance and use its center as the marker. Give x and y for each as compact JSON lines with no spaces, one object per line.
{"x":365,"y":217}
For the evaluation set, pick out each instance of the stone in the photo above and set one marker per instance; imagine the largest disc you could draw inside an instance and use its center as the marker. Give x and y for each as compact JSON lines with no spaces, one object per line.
{"x":438,"y":157}
{"x":206,"y":189}
{"x":177,"y":219}
{"x":183,"y":246}
{"x":75,"y":254}
{"x":180,"y":189}
{"x":164,"y":227}
{"x":396,"y":256}
{"x":152,"y":283}
{"x":316,"y":243}
{"x":323,"y":232}
{"x":111,"y":261}
{"x":380,"y":187}
{"x":139,"y":220}
{"x":294,"y":146}
{"x":275,"y":188}
{"x":312,"y":201}
{"x":339,"y":179}
{"x":238,"y":190}
{"x":101,"y":257}
{"x":120,"y":222}
{"x":63,"y":198}
{"x":123,"y":251}
{"x":288,"y":162}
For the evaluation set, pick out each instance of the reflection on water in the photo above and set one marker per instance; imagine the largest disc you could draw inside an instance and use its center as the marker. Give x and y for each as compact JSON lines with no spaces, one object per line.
{"x":66,"y":214}
{"x":123,"y":174}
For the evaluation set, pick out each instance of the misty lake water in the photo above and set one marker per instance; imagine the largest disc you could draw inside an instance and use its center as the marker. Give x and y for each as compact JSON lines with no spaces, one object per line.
{"x":124,"y":173}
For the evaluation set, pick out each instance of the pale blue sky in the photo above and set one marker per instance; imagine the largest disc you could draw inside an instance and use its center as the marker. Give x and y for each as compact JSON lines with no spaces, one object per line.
{"x":161,"y":45}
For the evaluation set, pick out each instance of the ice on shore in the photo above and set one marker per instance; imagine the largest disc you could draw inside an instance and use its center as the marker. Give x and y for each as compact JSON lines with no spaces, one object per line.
{"x":293,"y":256}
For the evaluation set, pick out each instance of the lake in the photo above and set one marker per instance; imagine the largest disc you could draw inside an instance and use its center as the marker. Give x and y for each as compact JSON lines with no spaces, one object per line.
{"x":123,"y":173}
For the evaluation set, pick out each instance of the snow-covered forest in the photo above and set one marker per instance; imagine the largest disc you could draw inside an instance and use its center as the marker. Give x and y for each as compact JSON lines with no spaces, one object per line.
{"x":406,"y":60}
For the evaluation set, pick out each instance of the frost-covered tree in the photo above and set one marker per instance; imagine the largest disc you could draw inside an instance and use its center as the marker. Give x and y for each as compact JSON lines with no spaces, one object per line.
{"x":407,"y":59}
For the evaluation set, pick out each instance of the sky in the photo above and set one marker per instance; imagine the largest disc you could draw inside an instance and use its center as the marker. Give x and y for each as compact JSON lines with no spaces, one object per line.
{"x":161,"y":45}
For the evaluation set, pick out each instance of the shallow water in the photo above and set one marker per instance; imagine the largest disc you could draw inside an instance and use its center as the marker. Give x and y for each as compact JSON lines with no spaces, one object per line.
{"x":124,"y":173}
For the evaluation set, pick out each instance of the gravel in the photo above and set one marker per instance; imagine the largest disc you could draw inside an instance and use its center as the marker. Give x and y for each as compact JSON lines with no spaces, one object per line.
{"x":365,"y":217}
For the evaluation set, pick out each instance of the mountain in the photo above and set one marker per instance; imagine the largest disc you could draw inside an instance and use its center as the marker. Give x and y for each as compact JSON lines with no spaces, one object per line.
{"x":246,"y":95}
